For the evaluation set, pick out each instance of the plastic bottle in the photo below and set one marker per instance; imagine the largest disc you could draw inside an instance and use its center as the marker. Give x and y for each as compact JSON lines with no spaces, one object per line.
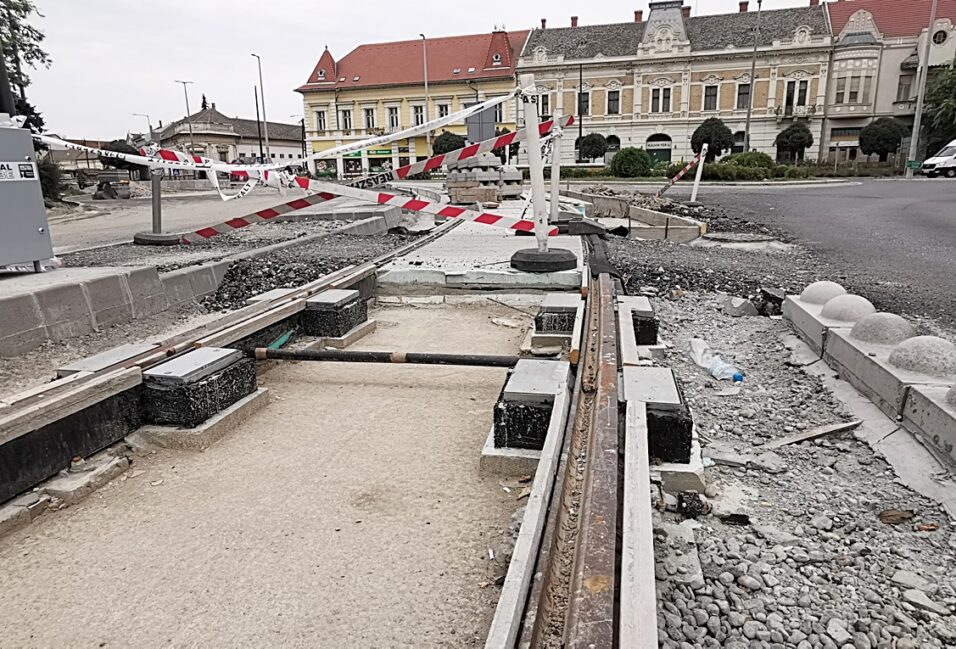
{"x":701,"y":354}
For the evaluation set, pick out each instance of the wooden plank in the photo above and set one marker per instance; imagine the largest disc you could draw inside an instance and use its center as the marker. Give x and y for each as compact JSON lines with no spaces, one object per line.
{"x":638,"y":628}
{"x":820,"y":431}
{"x":506,"y":623}
{"x":41,"y":391}
{"x":576,"y":333}
{"x":251,"y":326}
{"x":63,"y":404}
{"x":625,"y":324}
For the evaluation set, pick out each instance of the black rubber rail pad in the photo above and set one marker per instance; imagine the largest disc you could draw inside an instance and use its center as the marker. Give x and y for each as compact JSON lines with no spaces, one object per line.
{"x":411,"y":358}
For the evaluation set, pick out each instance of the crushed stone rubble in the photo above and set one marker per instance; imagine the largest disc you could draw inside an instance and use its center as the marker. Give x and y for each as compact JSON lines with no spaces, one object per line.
{"x":167,"y":258}
{"x":296,"y":266}
{"x":813,"y":544}
{"x":716,"y":218}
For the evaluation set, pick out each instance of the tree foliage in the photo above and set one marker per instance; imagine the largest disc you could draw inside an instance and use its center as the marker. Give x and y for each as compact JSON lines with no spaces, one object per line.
{"x":593,"y":145}
{"x":631,"y":163}
{"x":119,"y":146}
{"x":512,"y":148}
{"x":939,"y":112}
{"x":796,"y":139}
{"x":882,"y":137}
{"x":446,"y":142}
{"x":205,"y":102}
{"x":51,"y":179}
{"x":715,"y":134}
{"x":21,"y":41}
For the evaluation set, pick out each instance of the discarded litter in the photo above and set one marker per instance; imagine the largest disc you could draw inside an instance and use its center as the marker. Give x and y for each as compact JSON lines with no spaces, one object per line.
{"x":701,"y":354}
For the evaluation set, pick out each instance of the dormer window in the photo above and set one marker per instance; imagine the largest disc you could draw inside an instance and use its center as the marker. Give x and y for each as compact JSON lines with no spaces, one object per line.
{"x":496,"y":59}
{"x":321,"y":74}
{"x":456,"y":71}
{"x":471,"y":70}
{"x":341,"y":79}
{"x":355,"y":78}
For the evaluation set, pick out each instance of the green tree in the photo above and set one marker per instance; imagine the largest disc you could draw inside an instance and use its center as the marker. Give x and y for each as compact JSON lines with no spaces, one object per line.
{"x":631,"y":163}
{"x":795,"y":139}
{"x":514,"y":148}
{"x":446,"y":142}
{"x":21,"y":42}
{"x":715,"y":134}
{"x":51,"y":179}
{"x":939,"y":111}
{"x":882,"y":137}
{"x":593,"y":145}
{"x":119,"y":146}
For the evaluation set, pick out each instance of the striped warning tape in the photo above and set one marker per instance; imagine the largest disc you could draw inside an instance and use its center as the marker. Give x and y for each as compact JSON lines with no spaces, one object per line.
{"x":377,"y":180}
{"x":683,"y":172}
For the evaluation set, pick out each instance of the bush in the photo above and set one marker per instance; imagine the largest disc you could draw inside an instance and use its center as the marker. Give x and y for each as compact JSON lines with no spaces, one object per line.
{"x":631,"y":163}
{"x":51,"y":179}
{"x":780,"y":171}
{"x":446,"y":142}
{"x":798,"y":173}
{"x":660,"y":169}
{"x":750,"y":159}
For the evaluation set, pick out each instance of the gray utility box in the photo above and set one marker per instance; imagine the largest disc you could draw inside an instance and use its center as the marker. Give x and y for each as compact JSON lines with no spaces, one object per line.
{"x":24,"y":231}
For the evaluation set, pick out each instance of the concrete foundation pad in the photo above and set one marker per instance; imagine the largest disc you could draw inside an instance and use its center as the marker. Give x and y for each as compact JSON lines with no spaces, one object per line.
{"x":205,"y":434}
{"x":352,"y":337}
{"x":809,"y":324}
{"x":506,"y":461}
{"x":676,"y":477}
{"x":74,"y":486}
{"x":865,"y":366}
{"x":928,"y":415}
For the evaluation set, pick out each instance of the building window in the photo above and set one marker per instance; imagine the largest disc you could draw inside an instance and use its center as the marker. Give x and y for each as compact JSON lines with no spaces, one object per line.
{"x":346,"y":120}
{"x":499,"y":113}
{"x":369,"y":118}
{"x":281,"y":156}
{"x":320,"y":121}
{"x":544,"y":105}
{"x":939,"y":37}
{"x":904,"y":91}
{"x":743,"y":96}
{"x":710,"y":97}
{"x":393,"y":117}
{"x":419,"y":114}
{"x":614,"y":102}
{"x":584,"y":103}
{"x":443,"y":110}
{"x":840,"y":90}
{"x":802,"y":93}
{"x":845,"y":132}
{"x":853,"y":94}
{"x":661,"y":100}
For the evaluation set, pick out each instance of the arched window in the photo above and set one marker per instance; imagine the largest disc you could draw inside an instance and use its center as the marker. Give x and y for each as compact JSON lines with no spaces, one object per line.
{"x":739,"y":138}
{"x":613,"y":143}
{"x":659,"y":147}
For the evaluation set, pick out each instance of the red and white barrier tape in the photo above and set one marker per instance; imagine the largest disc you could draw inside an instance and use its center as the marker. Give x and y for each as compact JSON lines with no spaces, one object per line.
{"x":683,"y":172}
{"x":377,"y":180}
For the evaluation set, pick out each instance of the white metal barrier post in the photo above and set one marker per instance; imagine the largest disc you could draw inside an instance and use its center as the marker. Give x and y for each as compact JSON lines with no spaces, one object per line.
{"x":700,"y":172}
{"x":555,"y":169}
{"x":529,"y":104}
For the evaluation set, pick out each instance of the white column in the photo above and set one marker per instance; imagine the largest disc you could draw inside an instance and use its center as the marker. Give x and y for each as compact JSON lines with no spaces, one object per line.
{"x":536,"y":165}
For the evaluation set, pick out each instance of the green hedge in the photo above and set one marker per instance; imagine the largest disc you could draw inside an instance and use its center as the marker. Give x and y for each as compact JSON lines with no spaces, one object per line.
{"x":751,"y":159}
{"x":631,"y":162}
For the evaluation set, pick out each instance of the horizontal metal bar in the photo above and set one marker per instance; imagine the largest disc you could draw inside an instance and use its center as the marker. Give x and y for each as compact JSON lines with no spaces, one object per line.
{"x":411,"y":358}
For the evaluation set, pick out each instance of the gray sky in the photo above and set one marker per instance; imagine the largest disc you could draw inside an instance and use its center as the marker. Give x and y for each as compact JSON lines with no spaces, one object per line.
{"x":112,"y":58}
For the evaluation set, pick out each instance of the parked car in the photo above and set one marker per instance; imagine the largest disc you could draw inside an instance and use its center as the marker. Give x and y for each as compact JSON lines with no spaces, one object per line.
{"x":943,"y":163}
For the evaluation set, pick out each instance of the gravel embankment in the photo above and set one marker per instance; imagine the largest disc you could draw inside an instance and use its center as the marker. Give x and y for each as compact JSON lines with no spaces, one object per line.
{"x":167,"y":258}
{"x":298,"y":265}
{"x":811,"y":563}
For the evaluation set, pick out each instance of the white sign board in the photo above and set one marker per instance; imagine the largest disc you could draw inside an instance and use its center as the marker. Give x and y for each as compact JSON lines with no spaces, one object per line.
{"x":18,"y":171}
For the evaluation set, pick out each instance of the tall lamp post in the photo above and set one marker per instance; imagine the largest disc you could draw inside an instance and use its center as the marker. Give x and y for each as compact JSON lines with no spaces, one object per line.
{"x":265,"y":120}
{"x":302,"y":122}
{"x":921,"y":97}
{"x":428,"y":135}
{"x":149,"y":124}
{"x":753,"y":80}
{"x":189,"y":122}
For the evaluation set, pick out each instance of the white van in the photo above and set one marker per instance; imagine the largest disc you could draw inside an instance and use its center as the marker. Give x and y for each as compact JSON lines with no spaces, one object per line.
{"x":943,"y":163}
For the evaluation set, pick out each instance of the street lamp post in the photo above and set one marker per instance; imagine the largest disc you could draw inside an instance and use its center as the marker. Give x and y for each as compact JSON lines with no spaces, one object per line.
{"x":265,"y":120}
{"x":149,"y":124}
{"x":189,"y":122}
{"x":428,"y":135}
{"x":302,"y":122}
{"x":921,"y":97}
{"x":753,"y":80}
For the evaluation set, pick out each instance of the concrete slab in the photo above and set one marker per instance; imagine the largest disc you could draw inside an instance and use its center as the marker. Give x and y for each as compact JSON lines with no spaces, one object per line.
{"x":537,"y":381}
{"x":927,"y":414}
{"x":809,"y":324}
{"x":651,"y":385}
{"x":268,"y":296}
{"x":330,"y":300}
{"x":561,"y":303}
{"x":638,"y":304}
{"x":677,"y":477}
{"x":192,"y":366}
{"x":106,"y":359}
{"x":478,"y":256}
{"x":866,"y":367}
{"x":506,"y":461}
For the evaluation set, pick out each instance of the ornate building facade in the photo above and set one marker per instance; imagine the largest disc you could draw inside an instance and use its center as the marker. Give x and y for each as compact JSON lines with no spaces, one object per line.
{"x":650,"y":83}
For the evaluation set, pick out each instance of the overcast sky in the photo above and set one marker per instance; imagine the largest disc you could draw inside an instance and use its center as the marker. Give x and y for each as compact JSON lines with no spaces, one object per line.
{"x":113,"y":58}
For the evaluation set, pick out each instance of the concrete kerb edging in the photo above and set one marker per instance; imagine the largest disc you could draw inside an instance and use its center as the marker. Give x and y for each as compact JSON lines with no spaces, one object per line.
{"x":677,"y":228}
{"x":514,"y":592}
{"x":915,"y":399}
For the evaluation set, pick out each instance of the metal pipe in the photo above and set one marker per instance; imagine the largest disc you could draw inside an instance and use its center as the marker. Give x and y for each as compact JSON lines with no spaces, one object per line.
{"x":409,"y":358}
{"x":265,"y":120}
{"x":189,"y":121}
{"x":921,"y":96}
{"x":753,"y":80}
{"x":156,"y":179}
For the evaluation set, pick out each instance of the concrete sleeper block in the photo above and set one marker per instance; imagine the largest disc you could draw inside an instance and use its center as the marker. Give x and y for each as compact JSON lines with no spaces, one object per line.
{"x":190,"y":404}
{"x":522,"y":413}
{"x":333,"y":313}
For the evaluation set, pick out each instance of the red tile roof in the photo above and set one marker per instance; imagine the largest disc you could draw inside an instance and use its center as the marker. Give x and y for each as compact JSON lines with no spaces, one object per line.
{"x":894,"y":18}
{"x":400,"y":63}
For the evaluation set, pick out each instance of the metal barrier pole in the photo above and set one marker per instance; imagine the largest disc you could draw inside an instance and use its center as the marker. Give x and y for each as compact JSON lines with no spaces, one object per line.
{"x":700,"y":172}
{"x":156,"y":180}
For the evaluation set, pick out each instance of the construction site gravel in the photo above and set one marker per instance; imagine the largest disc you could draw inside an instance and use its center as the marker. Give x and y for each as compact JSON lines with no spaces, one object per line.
{"x":810,"y":545}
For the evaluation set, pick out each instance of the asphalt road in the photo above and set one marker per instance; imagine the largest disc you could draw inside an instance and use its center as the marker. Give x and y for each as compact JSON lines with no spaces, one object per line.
{"x":894,"y":241}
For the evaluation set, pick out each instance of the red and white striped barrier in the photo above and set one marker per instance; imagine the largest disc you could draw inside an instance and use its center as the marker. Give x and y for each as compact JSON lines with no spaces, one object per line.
{"x":370,"y":182}
{"x":683,"y":172}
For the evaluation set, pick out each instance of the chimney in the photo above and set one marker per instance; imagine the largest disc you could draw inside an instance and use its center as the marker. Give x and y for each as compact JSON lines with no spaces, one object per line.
{"x":685,"y":10}
{"x":544,"y":23}
{"x":574,"y":21}
{"x":639,"y":16}
{"x":743,"y":6}
{"x":814,"y":3}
